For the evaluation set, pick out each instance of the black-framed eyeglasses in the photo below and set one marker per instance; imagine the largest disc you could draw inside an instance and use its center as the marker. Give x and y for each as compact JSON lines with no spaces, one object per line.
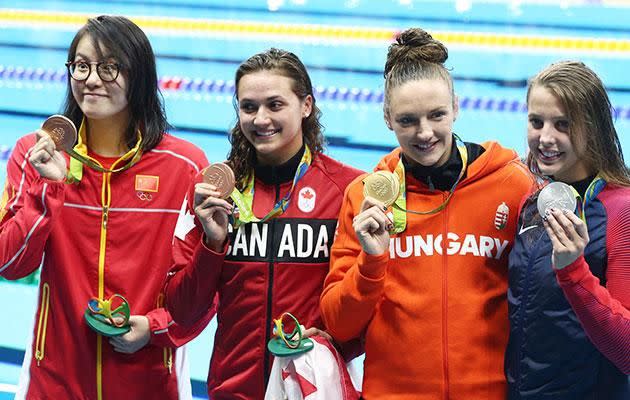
{"x":80,"y":70}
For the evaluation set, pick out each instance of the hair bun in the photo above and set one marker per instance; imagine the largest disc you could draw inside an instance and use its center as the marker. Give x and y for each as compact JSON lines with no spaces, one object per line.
{"x":421,"y":44}
{"x":415,"y":45}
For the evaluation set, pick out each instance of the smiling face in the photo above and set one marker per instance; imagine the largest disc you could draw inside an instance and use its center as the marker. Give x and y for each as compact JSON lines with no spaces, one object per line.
{"x":421,"y":113}
{"x":549,"y":139}
{"x":97,"y":99}
{"x":271,"y":114}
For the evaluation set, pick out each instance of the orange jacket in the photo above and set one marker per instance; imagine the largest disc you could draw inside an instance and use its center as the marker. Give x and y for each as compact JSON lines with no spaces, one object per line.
{"x":434,"y":317}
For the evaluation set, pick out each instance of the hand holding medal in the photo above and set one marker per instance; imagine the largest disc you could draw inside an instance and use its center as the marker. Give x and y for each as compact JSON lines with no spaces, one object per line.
{"x":568,"y":233}
{"x":212,"y":205}
{"x":373,"y":223}
{"x":56,"y":134}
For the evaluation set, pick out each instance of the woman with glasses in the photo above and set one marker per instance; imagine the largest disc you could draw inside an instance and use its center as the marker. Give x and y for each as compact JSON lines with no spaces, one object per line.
{"x":101,"y":224}
{"x":569,"y":273}
{"x":419,"y":264}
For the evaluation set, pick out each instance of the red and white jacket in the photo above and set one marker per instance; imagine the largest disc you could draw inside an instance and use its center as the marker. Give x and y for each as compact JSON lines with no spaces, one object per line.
{"x":264,"y":270}
{"x":109,"y":233}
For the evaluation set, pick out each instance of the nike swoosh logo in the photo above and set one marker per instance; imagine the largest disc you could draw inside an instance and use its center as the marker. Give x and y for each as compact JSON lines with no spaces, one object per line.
{"x":523,"y":229}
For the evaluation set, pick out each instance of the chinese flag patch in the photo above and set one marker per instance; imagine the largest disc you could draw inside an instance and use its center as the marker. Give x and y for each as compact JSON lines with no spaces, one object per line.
{"x":147,"y":183}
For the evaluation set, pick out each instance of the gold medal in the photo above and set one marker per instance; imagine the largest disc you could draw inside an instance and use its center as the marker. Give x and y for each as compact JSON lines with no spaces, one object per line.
{"x":382,"y":186}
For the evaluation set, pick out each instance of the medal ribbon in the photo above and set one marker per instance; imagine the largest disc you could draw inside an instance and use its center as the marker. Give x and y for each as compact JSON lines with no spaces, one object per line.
{"x":79,"y":157}
{"x":594,"y":188}
{"x":244,"y":201}
{"x":400,"y":205}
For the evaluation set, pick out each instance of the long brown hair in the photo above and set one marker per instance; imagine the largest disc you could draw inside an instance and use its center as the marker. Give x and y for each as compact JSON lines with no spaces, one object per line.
{"x":242,"y":155}
{"x":590,"y":114}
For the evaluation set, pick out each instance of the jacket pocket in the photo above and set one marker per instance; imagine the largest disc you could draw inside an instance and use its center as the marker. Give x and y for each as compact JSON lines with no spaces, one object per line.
{"x":40,"y":341}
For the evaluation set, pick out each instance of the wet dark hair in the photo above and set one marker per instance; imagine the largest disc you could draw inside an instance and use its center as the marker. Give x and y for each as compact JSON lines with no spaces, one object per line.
{"x":591,"y":126}
{"x":415,"y":56}
{"x":125,"y":42}
{"x":242,"y":155}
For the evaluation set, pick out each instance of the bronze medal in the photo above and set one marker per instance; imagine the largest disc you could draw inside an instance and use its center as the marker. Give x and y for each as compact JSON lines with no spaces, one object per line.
{"x":62,"y":131}
{"x":222,"y":177}
{"x":382,"y":186}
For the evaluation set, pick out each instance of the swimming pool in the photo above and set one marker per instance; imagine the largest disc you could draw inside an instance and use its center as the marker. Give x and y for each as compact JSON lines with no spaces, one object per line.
{"x":495,"y":46}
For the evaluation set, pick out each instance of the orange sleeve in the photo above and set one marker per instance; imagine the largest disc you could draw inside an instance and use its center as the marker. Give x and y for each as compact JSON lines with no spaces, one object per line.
{"x":350,"y":297}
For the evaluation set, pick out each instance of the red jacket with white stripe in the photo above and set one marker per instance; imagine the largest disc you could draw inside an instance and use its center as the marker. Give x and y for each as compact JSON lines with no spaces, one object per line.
{"x":266,"y":269}
{"x":86,"y":248}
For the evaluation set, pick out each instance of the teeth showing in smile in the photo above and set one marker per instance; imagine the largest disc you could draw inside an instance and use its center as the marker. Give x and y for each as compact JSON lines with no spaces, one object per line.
{"x":425,"y":146}
{"x":267,"y":133}
{"x":549,"y":154}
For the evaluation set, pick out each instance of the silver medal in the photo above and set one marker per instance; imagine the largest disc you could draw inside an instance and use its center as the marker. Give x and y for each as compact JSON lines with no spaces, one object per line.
{"x":556,"y":195}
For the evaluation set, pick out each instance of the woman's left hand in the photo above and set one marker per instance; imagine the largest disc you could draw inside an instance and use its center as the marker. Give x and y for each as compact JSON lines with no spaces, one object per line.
{"x":568,"y":234}
{"x":138,"y":337}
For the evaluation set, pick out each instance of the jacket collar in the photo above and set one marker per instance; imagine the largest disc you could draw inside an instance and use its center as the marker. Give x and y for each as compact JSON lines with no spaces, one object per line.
{"x":75,"y":170}
{"x":276,"y":174}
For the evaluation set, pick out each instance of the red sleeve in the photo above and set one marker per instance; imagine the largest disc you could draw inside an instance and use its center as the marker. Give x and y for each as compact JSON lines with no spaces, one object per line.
{"x":190,"y":291}
{"x":28,"y":208}
{"x":605,"y":311}
{"x":165,"y":332}
{"x":192,"y":282}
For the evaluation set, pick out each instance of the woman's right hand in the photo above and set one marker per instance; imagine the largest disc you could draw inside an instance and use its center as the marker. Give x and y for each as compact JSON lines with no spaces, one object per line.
{"x":372,"y":226}
{"x":213,"y":213}
{"x":47,"y":161}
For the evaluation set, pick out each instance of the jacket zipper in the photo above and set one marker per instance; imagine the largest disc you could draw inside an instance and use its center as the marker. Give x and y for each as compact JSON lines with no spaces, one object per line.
{"x":40,"y":342}
{"x":106,"y":198}
{"x":105,"y":201}
{"x":521,"y":312}
{"x":269,"y":317}
{"x":445,"y":309}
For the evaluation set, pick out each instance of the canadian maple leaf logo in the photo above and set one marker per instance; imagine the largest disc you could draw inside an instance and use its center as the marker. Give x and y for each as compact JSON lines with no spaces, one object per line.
{"x":307,"y":195}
